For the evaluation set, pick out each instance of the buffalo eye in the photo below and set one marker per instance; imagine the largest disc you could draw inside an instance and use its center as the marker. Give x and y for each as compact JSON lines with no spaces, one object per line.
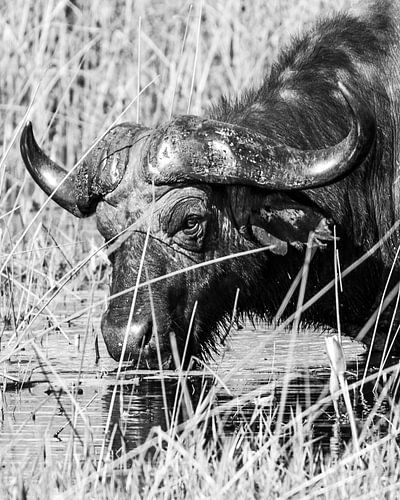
{"x":192,"y":226}
{"x":190,"y":235}
{"x":183,"y":218}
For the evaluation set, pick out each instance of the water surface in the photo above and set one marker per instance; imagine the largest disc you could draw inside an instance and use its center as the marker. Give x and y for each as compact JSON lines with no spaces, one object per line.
{"x":38,"y":414}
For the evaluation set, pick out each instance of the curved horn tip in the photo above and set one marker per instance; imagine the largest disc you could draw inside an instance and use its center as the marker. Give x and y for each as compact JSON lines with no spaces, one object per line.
{"x":363,"y":116}
{"x":49,"y":176}
{"x":25,"y":141}
{"x":27,"y":133}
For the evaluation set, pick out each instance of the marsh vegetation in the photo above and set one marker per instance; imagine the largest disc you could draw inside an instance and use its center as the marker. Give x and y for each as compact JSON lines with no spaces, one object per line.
{"x":256,"y":422}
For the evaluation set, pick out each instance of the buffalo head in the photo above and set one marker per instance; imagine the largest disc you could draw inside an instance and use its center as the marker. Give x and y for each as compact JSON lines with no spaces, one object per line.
{"x":188,"y":192}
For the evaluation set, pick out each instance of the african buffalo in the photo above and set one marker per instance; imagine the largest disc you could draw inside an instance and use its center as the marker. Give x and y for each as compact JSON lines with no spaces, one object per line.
{"x":315,"y":146}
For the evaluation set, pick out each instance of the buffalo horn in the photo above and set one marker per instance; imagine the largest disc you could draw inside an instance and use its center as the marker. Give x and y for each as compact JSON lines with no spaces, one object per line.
{"x":194,"y":149}
{"x":97,"y":175}
{"x":51,"y":177}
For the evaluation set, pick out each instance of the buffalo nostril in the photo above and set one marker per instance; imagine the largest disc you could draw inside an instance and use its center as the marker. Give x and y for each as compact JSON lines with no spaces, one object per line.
{"x":141,"y":332}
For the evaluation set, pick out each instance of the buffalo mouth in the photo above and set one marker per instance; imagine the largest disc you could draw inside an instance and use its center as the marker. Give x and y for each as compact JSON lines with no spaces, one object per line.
{"x":140,"y":344}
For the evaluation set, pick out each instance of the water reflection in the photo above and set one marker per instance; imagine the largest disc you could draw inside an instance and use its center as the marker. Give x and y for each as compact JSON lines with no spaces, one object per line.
{"x":146,"y":403}
{"x":151,"y":402}
{"x":137,"y":409}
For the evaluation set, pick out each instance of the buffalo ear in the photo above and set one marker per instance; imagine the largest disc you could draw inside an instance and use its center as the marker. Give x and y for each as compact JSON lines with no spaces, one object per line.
{"x":289,"y":221}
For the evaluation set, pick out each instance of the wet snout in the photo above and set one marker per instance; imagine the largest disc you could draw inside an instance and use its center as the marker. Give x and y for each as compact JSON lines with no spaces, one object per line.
{"x":144,"y":346}
{"x":141,"y":332}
